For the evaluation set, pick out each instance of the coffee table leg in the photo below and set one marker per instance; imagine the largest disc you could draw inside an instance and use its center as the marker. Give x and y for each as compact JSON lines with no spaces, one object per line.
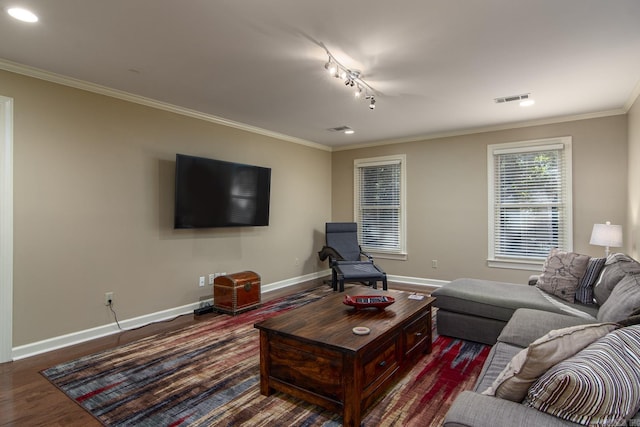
{"x":264,"y":364}
{"x":427,"y":349}
{"x":352,"y":377}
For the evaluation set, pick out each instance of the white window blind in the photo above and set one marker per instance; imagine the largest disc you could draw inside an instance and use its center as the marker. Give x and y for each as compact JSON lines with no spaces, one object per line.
{"x":530,"y":199}
{"x":379,"y":203}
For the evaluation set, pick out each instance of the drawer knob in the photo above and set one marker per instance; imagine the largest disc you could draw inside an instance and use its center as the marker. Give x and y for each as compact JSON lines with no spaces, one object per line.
{"x":418,"y":334}
{"x":383,"y":363}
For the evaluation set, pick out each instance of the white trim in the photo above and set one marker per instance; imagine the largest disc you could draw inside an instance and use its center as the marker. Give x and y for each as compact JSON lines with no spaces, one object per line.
{"x":17,"y":68}
{"x":564,"y":142}
{"x":78,"y":337}
{"x":632,"y":97}
{"x":396,"y":159}
{"x":506,"y":126}
{"x":137,"y":99}
{"x":402,"y":256}
{"x":6,"y":228}
{"x":515,"y":264}
{"x":294,"y":281}
{"x":417,"y":281}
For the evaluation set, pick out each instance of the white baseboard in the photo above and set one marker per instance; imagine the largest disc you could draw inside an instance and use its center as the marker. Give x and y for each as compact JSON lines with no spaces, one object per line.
{"x":294,"y":281}
{"x":417,"y":281}
{"x":55,"y":343}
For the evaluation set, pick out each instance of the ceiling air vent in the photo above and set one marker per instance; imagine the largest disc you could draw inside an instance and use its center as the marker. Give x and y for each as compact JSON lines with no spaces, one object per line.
{"x":339,"y":129}
{"x":512,"y":98}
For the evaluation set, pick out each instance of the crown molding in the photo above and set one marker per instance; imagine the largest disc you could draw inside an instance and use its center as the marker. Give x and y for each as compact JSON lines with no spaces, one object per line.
{"x":471,"y":131}
{"x":149,"y":102}
{"x":632,"y":98}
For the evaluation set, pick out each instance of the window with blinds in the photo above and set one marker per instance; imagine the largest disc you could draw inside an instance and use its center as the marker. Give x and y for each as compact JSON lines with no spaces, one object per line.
{"x":529,"y":199}
{"x":379,"y":203}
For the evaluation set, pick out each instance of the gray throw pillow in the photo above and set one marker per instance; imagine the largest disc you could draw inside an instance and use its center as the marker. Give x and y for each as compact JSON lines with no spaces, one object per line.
{"x":615,"y":269}
{"x":562,"y":272}
{"x":623,"y":301}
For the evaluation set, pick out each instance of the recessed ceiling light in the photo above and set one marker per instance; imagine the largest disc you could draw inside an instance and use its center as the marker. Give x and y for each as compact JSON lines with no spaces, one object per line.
{"x":23,"y":15}
{"x":527,"y":102}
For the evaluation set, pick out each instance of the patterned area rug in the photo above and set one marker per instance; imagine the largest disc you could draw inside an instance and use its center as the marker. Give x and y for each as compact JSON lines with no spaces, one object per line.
{"x":208,"y":374}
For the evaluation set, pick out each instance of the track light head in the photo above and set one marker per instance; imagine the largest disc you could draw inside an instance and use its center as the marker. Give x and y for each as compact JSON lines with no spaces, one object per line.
{"x":351,"y":78}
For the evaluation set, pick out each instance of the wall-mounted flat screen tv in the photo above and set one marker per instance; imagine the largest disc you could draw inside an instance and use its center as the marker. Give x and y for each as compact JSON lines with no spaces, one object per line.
{"x":215,"y":193}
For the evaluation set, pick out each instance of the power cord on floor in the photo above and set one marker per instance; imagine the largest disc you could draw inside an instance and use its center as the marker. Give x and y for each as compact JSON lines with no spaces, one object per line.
{"x":115,"y":316}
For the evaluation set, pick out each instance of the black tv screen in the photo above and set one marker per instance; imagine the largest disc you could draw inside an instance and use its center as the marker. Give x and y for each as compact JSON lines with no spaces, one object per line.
{"x":215,"y":193}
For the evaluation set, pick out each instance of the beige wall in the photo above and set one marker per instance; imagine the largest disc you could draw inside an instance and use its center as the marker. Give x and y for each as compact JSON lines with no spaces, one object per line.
{"x":447,"y":194}
{"x":93,"y":204}
{"x":632,"y":234}
{"x":93,"y":209}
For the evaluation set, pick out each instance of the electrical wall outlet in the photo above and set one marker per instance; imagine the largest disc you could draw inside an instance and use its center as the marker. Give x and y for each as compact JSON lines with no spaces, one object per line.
{"x":201,"y":281}
{"x":212,"y":276}
{"x":434,"y":263}
{"x":108,"y":298}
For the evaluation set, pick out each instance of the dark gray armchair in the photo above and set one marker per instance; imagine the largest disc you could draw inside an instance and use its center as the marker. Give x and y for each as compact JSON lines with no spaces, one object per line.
{"x":347,"y":260}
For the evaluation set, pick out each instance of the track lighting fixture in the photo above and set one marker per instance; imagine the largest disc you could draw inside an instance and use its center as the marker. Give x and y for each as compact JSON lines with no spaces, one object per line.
{"x":351,"y":78}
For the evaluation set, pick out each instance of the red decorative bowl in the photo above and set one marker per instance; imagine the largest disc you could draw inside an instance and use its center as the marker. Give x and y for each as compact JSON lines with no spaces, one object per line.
{"x":364,"y":301}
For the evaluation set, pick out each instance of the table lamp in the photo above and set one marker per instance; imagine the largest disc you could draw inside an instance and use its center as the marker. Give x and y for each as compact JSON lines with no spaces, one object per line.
{"x":606,"y":235}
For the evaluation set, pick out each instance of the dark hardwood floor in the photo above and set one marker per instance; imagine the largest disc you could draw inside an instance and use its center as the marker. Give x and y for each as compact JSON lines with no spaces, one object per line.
{"x":28,"y":399}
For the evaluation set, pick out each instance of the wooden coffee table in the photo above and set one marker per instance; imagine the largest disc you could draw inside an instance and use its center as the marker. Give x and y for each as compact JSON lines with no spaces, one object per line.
{"x":313,"y":354}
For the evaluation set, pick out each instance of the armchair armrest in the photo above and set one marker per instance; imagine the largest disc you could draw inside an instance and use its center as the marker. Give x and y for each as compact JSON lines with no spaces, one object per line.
{"x":369,"y":257}
{"x":363,"y":253}
{"x":329,"y":252}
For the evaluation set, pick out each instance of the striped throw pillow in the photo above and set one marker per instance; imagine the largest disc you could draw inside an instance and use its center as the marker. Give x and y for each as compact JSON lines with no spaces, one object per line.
{"x":584,"y":293}
{"x":598,"y":386}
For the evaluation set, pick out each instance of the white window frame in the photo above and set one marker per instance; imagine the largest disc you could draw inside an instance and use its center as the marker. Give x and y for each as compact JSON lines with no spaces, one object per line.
{"x":528,"y":263}
{"x":399,"y":253}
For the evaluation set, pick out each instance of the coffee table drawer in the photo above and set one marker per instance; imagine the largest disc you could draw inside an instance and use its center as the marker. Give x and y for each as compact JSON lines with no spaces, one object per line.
{"x":384,"y":363}
{"x":416,"y":335}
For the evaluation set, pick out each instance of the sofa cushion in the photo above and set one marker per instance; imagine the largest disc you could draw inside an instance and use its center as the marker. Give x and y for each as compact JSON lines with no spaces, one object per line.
{"x":499,"y":300}
{"x":615,"y":268}
{"x":530,"y":363}
{"x":561,"y":273}
{"x":623,"y":301}
{"x":599,"y":385}
{"x":584,"y":293}
{"x":528,"y":325}
{"x":498,"y":358}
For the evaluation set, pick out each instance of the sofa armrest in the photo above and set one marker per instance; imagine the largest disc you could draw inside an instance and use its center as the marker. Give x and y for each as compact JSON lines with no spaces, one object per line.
{"x":473,"y":409}
{"x":527,"y":325}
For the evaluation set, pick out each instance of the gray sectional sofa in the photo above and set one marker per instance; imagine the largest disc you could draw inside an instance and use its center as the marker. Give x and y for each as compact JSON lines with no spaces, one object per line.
{"x":478,"y":310}
{"x":517,"y":319}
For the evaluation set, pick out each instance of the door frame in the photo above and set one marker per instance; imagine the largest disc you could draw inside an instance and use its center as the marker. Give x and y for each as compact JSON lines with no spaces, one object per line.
{"x":6,"y":229}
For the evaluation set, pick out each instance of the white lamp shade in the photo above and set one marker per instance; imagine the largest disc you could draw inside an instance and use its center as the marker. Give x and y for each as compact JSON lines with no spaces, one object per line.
{"x":606,"y":235}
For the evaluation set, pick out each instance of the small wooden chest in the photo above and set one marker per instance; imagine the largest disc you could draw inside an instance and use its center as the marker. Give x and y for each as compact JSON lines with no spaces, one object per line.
{"x":238,"y":292}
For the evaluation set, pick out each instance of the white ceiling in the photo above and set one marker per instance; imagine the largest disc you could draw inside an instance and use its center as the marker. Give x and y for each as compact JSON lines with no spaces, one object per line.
{"x":437,"y":65}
